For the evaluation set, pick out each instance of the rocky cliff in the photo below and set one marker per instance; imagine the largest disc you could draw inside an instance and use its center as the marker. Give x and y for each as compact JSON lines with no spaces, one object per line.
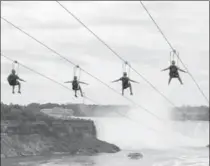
{"x":26,"y":131}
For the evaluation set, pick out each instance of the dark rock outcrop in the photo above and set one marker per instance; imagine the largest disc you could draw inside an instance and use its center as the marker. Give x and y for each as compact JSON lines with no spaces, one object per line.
{"x":26,"y":132}
{"x":135,"y":156}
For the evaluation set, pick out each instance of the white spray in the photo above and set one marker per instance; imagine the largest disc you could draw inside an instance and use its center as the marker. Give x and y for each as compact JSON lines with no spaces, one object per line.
{"x":139,"y":129}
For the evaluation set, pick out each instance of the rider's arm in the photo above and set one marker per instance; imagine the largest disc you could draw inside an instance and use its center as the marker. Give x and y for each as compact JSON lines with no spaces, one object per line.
{"x":83,"y":83}
{"x":117,"y":80}
{"x":133,"y":81}
{"x":68,"y":82}
{"x":182,"y":70}
{"x":20,"y":79}
{"x":166,"y":69}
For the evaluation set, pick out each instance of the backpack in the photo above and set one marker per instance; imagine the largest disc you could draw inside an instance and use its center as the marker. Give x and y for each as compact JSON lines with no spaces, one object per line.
{"x":11,"y":78}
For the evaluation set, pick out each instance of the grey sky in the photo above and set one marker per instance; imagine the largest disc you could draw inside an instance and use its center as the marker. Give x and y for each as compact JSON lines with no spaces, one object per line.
{"x":126,"y":27}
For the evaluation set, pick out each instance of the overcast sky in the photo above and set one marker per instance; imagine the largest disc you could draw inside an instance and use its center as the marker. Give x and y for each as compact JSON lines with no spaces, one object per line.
{"x":126,"y":27}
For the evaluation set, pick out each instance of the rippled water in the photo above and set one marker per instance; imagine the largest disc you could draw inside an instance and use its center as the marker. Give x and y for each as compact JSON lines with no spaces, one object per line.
{"x":170,"y":157}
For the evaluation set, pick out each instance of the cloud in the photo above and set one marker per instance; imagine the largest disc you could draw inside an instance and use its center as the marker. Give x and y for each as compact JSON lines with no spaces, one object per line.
{"x":125,"y":27}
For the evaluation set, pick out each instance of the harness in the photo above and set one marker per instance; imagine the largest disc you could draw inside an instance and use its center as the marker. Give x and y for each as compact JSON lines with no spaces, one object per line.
{"x":77,"y":73}
{"x":125,"y":82}
{"x":15,"y":66}
{"x":12,"y":79}
{"x":126,"y":67}
{"x":174,"y":56}
{"x":75,"y":85}
{"x":174,"y":71}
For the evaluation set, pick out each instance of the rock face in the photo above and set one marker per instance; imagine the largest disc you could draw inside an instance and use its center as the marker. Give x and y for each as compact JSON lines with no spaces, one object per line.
{"x":135,"y":156}
{"x":37,"y":144}
{"x":25,"y":133}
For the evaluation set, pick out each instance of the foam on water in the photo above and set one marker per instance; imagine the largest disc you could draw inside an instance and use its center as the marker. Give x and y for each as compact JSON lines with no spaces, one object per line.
{"x":143,"y":130}
{"x":129,"y":135}
{"x":180,"y":157}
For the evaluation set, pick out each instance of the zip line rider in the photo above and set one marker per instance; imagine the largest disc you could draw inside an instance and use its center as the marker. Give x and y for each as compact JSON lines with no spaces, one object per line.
{"x":126,"y":83}
{"x":13,"y":81}
{"x":173,"y":72}
{"x":76,"y":85}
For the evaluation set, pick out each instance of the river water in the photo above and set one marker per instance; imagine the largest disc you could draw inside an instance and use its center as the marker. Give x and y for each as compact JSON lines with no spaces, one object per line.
{"x":185,"y":147}
{"x":151,"y":157}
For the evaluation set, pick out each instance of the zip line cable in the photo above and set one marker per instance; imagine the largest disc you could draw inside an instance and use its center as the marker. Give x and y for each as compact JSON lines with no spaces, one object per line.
{"x":161,"y":119}
{"x":71,"y":90}
{"x":32,"y":70}
{"x":103,"y":42}
{"x":138,"y":105}
{"x":132,"y":120}
{"x":82,"y":69}
{"x":56,"y":82}
{"x":36,"y":40}
{"x":170,"y":45}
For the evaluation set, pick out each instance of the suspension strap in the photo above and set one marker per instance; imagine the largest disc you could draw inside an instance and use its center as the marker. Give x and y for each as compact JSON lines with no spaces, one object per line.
{"x":126,"y":68}
{"x":177,"y":60}
{"x":77,"y":71}
{"x":172,"y":56}
{"x":15,"y":66}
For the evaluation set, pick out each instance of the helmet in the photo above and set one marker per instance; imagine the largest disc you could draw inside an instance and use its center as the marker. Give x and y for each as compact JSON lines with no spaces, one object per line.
{"x":173,"y":62}
{"x":13,"y":71}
